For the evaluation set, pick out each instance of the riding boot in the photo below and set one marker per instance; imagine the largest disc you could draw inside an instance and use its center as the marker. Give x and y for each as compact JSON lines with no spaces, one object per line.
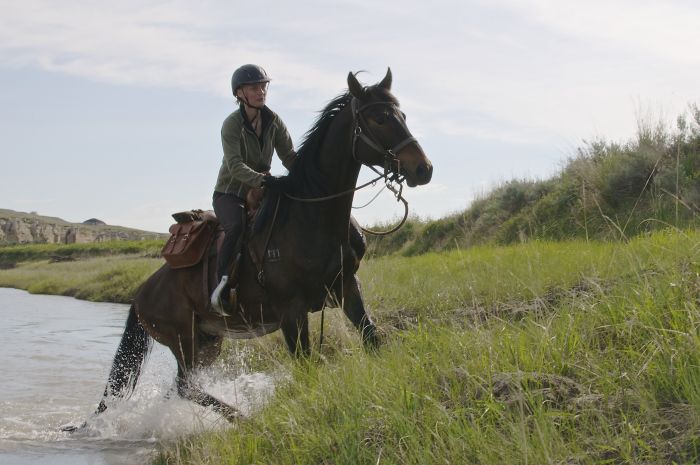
{"x":224,"y":299}
{"x":230,"y":210}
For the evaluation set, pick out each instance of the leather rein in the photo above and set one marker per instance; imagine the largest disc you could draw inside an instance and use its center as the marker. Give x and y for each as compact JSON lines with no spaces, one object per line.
{"x":392,"y":177}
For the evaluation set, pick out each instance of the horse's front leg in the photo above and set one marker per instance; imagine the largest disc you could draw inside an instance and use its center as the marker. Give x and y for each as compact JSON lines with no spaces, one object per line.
{"x":191,"y":352}
{"x":188,"y":389}
{"x":354,"y":309}
{"x":295,"y":328}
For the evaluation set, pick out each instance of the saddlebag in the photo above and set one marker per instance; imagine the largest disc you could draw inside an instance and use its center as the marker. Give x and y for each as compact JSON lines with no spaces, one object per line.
{"x":189,"y":239}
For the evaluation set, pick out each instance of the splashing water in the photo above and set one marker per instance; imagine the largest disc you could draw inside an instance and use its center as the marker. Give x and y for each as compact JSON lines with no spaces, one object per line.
{"x":56,"y":353}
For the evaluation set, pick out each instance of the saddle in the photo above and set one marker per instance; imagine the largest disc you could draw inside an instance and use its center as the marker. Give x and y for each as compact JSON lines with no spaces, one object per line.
{"x":195,"y":230}
{"x":197,"y":236}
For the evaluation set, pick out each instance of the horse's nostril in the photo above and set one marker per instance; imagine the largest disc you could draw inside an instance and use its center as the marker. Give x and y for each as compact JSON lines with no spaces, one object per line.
{"x":424,"y":172}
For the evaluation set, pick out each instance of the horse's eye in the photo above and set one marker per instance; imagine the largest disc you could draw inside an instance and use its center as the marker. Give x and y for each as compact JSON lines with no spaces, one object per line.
{"x":403,"y":115}
{"x":382,"y":117}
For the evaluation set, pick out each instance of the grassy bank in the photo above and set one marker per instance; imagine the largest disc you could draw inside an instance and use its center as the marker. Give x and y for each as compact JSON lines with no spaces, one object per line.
{"x":11,"y":255}
{"x":543,"y":353}
{"x":570,"y":353}
{"x":108,"y":272}
{"x":101,"y":279}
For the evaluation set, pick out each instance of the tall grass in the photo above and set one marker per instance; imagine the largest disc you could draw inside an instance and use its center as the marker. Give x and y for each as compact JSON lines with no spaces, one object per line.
{"x":541,"y":353}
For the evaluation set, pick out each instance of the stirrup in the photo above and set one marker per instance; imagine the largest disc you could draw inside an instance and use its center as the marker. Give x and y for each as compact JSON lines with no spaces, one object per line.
{"x":217,"y":304}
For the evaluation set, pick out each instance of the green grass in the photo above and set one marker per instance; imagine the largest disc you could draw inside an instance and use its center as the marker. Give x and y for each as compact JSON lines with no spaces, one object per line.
{"x":11,"y":255}
{"x":103,"y":271}
{"x":564,"y":353}
{"x":543,"y":353}
{"x":105,"y":279}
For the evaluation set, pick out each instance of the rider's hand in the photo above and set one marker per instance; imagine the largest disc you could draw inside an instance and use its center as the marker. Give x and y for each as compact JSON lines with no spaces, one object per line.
{"x":278,"y":184}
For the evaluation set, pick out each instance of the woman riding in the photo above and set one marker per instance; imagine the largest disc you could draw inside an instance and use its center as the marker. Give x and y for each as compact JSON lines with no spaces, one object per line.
{"x":249,"y":135}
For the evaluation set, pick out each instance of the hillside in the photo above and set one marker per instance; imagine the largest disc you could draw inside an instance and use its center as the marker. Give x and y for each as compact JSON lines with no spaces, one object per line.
{"x":607,"y":190}
{"x":30,"y":228}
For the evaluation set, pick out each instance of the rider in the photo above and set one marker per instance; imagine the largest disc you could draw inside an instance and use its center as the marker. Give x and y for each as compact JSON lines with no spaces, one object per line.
{"x":249,"y":135}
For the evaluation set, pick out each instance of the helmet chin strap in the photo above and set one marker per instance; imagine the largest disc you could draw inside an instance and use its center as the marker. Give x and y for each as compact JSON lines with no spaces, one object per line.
{"x":257,"y":112}
{"x":245,"y":100}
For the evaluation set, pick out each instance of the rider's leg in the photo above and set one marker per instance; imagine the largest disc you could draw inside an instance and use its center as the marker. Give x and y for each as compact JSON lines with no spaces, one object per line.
{"x":230,"y":210}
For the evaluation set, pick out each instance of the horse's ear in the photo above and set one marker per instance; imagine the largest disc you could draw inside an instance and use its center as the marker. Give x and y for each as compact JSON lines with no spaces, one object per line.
{"x":386,"y":82}
{"x":355,"y":87}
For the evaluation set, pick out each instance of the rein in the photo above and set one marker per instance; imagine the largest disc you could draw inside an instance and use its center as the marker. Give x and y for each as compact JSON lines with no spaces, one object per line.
{"x":389,"y":159}
{"x":335,"y":196}
{"x":399,"y":197}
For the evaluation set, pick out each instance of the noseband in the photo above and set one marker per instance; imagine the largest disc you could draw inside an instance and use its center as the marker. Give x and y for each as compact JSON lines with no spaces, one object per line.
{"x":366,"y":136}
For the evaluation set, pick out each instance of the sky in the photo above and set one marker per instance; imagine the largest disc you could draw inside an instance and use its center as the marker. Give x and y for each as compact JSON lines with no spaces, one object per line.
{"x":113,"y":110}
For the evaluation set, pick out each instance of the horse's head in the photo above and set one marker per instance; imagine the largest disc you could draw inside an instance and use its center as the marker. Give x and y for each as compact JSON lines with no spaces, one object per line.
{"x":381,"y":137}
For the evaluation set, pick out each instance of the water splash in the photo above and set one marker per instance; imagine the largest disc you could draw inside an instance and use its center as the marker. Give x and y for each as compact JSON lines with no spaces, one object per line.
{"x":62,"y":381}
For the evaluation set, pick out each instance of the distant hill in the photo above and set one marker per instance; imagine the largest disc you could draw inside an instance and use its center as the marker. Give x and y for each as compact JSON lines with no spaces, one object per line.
{"x":31,"y":228}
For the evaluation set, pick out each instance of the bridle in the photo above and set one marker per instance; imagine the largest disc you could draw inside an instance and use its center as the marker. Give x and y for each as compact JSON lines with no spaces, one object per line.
{"x":365,"y":135}
{"x":392,"y":177}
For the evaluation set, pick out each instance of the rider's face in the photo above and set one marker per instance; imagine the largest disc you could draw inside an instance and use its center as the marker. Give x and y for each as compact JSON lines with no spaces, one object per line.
{"x":254,"y":94}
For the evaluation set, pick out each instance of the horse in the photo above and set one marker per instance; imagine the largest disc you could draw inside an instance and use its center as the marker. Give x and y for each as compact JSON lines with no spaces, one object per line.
{"x":307,"y":255}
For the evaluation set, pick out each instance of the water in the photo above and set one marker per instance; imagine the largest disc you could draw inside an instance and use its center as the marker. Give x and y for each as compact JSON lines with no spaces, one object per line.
{"x":55,"y":355}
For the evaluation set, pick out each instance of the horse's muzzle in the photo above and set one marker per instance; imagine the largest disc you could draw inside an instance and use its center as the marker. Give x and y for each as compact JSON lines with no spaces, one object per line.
{"x":424,"y":172}
{"x":422,"y":175}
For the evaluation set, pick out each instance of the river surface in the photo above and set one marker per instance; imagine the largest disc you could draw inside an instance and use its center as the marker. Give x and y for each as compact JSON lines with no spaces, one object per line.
{"x":55,"y":355}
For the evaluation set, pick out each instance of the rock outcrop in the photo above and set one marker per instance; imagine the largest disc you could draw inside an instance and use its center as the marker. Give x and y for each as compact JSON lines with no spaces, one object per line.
{"x":30,"y":228}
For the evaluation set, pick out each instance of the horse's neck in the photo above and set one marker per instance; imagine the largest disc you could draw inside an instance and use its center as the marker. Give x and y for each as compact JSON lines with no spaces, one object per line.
{"x":340,"y":169}
{"x":336,"y":160}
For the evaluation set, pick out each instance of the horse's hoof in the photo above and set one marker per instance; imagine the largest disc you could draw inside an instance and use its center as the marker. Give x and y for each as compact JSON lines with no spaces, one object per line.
{"x":72,"y":428}
{"x":372,"y":341}
{"x":231,"y":414}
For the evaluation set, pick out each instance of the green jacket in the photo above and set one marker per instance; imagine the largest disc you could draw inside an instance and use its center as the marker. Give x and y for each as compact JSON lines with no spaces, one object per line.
{"x":245,"y":157}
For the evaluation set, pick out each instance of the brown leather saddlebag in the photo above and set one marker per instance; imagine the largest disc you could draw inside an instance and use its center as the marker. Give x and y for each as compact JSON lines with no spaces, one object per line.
{"x":188,"y":242}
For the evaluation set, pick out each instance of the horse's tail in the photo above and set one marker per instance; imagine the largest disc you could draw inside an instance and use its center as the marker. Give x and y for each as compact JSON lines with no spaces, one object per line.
{"x":126,"y":367}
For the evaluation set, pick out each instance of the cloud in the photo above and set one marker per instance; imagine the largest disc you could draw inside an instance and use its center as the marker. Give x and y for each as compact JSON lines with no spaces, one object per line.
{"x":661,"y":29}
{"x":166,"y":44}
{"x":534,"y":70}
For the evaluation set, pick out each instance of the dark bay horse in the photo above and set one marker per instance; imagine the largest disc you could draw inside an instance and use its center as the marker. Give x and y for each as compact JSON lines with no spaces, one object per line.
{"x":308,"y":256}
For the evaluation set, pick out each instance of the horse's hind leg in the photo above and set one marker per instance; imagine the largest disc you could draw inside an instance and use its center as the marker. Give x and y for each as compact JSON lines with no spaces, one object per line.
{"x":354,"y":309}
{"x":188,"y":355}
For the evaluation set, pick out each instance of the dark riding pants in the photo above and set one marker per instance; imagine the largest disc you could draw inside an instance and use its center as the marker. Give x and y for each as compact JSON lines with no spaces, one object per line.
{"x":230,"y":210}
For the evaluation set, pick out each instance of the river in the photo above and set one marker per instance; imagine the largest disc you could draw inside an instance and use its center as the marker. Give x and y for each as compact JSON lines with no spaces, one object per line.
{"x":55,"y":355}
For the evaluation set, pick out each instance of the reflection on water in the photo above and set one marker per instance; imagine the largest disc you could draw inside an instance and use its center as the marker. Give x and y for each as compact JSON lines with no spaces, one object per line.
{"x":55,"y":354}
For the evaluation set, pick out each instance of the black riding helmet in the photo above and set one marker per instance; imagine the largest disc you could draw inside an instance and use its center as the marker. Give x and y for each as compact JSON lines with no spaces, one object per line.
{"x":248,"y":74}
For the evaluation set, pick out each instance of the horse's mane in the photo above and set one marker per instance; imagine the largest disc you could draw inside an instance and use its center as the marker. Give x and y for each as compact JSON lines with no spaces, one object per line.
{"x":305,"y":177}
